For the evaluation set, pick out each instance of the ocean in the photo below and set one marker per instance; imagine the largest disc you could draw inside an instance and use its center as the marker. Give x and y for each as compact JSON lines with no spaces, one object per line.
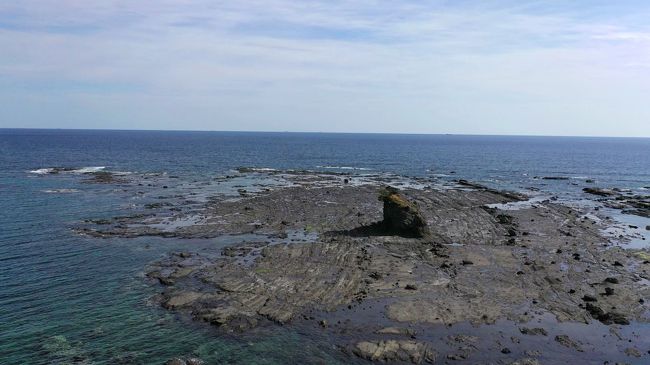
{"x":67,"y":298}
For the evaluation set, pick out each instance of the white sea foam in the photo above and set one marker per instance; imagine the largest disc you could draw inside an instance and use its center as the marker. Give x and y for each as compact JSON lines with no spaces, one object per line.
{"x":54,"y":170}
{"x":517,"y":205}
{"x":255,"y":169}
{"x":87,"y":170}
{"x":42,"y":171}
{"x":60,"y":191}
{"x":345,"y":168}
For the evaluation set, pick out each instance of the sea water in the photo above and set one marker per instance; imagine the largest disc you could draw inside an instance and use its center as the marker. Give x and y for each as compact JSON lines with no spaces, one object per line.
{"x":66,"y":298}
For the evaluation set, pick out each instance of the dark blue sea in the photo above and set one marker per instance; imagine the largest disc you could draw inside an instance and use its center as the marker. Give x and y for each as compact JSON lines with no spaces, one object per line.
{"x":66,"y":298}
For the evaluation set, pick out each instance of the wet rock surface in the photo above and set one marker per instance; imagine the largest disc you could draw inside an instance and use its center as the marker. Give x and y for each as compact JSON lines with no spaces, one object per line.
{"x":454,"y":262}
{"x":623,"y":200}
{"x":396,"y":350}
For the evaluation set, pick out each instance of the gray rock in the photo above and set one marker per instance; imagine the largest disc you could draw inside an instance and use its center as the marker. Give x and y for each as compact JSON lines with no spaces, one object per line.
{"x":566,"y":341}
{"x":631,"y":351}
{"x":533,"y":331}
{"x":392,"y":351}
{"x":599,"y":191}
{"x":589,"y":298}
{"x":402,"y":217}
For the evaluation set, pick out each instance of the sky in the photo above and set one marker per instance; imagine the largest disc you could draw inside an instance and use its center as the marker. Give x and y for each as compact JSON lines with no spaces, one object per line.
{"x":552,"y":67}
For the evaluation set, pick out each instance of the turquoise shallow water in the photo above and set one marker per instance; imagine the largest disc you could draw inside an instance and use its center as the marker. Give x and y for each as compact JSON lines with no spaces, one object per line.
{"x":66,"y":298}
{"x":72,"y":299}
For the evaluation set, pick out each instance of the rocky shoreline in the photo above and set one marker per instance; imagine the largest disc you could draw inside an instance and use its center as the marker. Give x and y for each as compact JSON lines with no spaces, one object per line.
{"x":424,"y":274}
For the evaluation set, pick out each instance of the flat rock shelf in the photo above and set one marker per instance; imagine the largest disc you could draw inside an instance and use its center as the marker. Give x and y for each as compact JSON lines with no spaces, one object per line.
{"x":444,"y":276}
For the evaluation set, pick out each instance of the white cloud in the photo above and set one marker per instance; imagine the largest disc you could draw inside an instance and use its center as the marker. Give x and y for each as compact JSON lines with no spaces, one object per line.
{"x":316,"y":65}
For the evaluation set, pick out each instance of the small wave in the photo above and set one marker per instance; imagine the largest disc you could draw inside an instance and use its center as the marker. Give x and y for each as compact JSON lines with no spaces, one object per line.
{"x":244,"y":170}
{"x":42,"y":171}
{"x":345,"y":168}
{"x":70,"y":170}
{"x":518,"y":205}
{"x":88,"y":170}
{"x":60,"y":191}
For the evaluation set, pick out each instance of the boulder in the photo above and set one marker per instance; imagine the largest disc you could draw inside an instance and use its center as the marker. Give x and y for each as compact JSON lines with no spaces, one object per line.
{"x":401,"y":217}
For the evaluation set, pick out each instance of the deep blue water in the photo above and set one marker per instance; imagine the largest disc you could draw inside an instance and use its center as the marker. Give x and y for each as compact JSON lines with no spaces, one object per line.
{"x":622,"y":162}
{"x":65,"y":297}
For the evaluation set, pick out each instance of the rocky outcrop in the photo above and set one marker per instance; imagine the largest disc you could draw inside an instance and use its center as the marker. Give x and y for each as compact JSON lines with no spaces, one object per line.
{"x":599,"y":191}
{"x":566,"y":341}
{"x":103,"y":177}
{"x":401,"y":216}
{"x":380,"y":294}
{"x":555,"y":178}
{"x":393,"y":350}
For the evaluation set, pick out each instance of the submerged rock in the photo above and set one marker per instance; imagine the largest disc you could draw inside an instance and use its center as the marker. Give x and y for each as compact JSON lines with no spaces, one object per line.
{"x":566,"y":341}
{"x":392,"y":350}
{"x":102,"y":177}
{"x":631,"y":351}
{"x":402,"y":217}
{"x":175,"y":361}
{"x":397,"y":331}
{"x":599,"y":191}
{"x":533,"y":331}
{"x":182,"y":361}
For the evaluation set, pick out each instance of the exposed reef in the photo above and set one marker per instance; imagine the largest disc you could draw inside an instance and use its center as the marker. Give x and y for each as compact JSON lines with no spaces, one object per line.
{"x":624,"y":200}
{"x":501,"y":279}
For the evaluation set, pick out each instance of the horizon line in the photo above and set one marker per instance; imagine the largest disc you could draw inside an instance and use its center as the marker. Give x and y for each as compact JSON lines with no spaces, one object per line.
{"x":321,"y":132}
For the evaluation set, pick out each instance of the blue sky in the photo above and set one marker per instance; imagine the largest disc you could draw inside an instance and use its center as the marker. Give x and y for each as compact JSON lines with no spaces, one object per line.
{"x":480,"y":67}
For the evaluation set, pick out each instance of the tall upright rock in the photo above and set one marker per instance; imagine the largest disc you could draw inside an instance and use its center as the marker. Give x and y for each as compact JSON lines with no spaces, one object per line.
{"x":402,"y":217}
